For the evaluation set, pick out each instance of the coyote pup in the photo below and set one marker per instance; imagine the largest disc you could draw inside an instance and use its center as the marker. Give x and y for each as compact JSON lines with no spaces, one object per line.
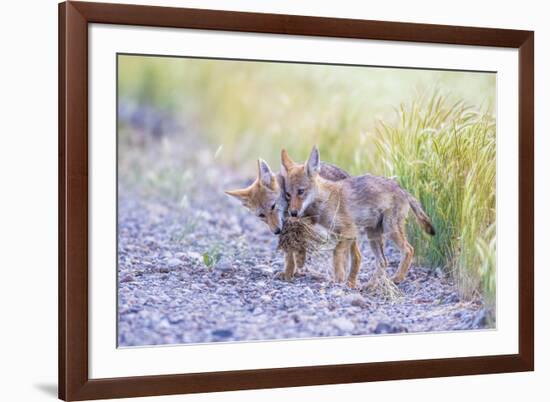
{"x":376,"y":204}
{"x":265,"y":199}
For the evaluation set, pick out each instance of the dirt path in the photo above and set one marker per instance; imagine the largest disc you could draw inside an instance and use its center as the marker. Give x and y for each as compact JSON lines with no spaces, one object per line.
{"x":167,"y":294}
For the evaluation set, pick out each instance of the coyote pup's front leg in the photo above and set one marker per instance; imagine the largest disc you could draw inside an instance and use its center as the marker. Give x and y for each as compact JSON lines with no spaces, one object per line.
{"x":293,"y":261}
{"x":290,"y":267}
{"x":300,"y":262}
{"x":341,"y":259}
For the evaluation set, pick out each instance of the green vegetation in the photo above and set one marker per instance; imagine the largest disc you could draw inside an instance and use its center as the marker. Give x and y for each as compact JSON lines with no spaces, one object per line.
{"x":212,"y":257}
{"x":434,"y":131}
{"x":446,"y":156}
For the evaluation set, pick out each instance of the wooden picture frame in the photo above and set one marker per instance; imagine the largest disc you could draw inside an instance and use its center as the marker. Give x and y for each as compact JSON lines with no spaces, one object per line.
{"x":74,"y":381}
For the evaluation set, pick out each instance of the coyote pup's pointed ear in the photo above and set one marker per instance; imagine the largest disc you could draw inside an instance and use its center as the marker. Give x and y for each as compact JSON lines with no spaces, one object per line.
{"x":242,"y":195}
{"x":265,"y":175}
{"x":286,"y":162}
{"x":313,"y":164}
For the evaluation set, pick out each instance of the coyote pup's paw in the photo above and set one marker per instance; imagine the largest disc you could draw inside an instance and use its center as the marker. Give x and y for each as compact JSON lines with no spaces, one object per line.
{"x":353,"y":284}
{"x":397,"y":279}
{"x":301,"y":272}
{"x":284,"y":276}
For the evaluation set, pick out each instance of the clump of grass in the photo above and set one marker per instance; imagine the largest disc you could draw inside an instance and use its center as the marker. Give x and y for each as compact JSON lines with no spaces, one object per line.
{"x":381,"y":287}
{"x":445,"y":155}
{"x":212,"y":256}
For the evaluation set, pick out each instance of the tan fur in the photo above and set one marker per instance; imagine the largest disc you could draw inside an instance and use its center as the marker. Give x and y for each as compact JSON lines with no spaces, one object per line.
{"x":265,"y":198}
{"x":375,"y":204}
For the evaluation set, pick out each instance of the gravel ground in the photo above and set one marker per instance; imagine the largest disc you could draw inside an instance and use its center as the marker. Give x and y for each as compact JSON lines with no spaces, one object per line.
{"x":167,"y":294}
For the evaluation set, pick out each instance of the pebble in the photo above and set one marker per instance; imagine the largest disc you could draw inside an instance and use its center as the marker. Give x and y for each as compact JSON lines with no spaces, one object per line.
{"x":127,"y":278}
{"x":385,"y":328}
{"x":222,"y":333}
{"x":355,"y":299}
{"x":224,"y":266}
{"x":265,"y":298}
{"x":174,"y":262}
{"x":343,"y":324}
{"x":192,"y":255}
{"x":480,"y":320}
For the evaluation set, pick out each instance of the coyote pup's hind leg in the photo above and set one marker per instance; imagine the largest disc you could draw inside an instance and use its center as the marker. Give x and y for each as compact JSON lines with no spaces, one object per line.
{"x":407,"y":253}
{"x":355,"y":264}
{"x":376,"y":242}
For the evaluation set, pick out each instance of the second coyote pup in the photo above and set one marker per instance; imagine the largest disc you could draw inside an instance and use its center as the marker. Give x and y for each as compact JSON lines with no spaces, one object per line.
{"x":376,"y":204}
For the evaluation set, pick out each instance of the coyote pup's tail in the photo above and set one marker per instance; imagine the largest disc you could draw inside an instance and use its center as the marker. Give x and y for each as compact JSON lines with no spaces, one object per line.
{"x":423,"y":219}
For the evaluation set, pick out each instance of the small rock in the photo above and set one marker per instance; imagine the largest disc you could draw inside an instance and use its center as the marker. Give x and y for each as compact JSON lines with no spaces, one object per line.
{"x":265,"y":269}
{"x":173,"y":262}
{"x":224,"y":266}
{"x":164,"y":324}
{"x":140,"y":294}
{"x":177,"y":317}
{"x":480,"y":320}
{"x":385,"y":328}
{"x":127,"y":278}
{"x":265,"y":298}
{"x":222,"y":333}
{"x":209,"y":283}
{"x":452,"y":299}
{"x":355,"y":299}
{"x":192,"y":255}
{"x":343,"y":324}
{"x":423,"y":300}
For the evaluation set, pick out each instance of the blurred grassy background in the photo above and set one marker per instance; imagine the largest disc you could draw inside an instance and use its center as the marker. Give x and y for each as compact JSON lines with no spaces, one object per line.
{"x":432,"y":130}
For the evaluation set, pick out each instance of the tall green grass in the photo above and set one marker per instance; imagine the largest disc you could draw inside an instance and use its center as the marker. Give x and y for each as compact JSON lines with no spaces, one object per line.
{"x":440,"y":148}
{"x":445,"y":154}
{"x":255,"y":109}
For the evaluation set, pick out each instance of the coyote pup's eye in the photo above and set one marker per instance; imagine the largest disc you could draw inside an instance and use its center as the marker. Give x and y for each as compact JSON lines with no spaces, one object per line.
{"x":273,"y":207}
{"x":301,"y":191}
{"x":261,"y":215}
{"x":287,"y":195}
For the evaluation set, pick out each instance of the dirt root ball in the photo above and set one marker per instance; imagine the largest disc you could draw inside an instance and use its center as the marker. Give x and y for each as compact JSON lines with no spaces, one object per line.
{"x":300,"y":235}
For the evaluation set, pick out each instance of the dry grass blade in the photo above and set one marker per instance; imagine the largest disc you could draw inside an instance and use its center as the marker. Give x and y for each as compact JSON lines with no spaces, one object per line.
{"x":381,"y":287}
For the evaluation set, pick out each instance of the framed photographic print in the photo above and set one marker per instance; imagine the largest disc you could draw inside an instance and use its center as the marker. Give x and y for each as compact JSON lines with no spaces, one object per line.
{"x":259,"y":200}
